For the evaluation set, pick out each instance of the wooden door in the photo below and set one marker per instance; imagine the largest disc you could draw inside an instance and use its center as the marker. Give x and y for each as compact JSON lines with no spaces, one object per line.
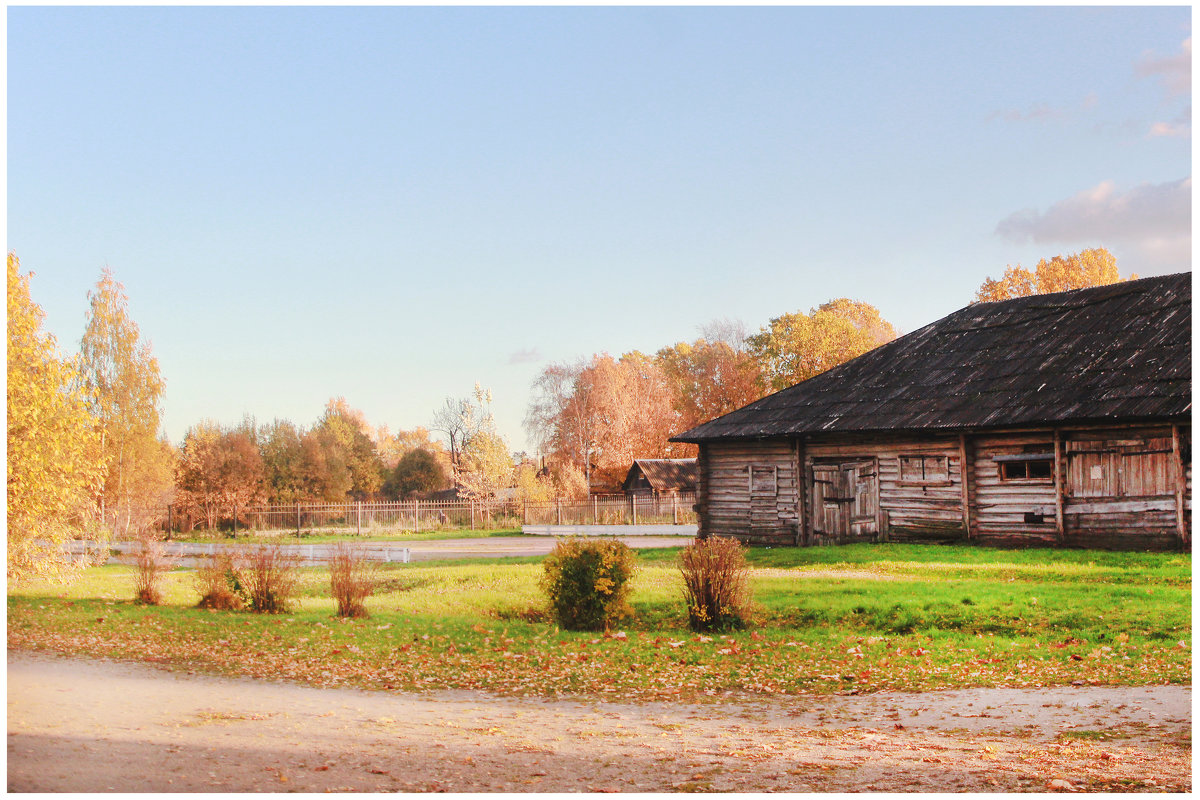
{"x":845,"y":500}
{"x":764,"y":494}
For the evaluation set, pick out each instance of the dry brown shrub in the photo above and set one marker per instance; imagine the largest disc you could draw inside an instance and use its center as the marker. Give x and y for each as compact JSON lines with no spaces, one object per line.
{"x":216,"y":580}
{"x":267,"y":578}
{"x":716,"y":584}
{"x":152,"y":562}
{"x":352,"y":579}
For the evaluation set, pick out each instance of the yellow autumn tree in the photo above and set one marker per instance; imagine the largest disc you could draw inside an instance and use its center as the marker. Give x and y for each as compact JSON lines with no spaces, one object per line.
{"x":1093,"y":267}
{"x":121,"y":378}
{"x":55,"y":466}
{"x":794,"y":347}
{"x":485,"y":464}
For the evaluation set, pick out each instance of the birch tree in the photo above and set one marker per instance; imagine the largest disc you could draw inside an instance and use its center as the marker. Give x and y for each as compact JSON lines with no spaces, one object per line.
{"x":120,"y":376}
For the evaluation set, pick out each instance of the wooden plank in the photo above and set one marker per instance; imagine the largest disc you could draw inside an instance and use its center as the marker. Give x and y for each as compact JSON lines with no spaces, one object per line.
{"x":1180,"y":486}
{"x":798,"y":456}
{"x":1058,"y":486}
{"x":1121,"y":505}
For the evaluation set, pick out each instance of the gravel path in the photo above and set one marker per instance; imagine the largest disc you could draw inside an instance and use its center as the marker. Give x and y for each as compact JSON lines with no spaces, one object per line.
{"x":191,"y":553}
{"x":93,"y":726}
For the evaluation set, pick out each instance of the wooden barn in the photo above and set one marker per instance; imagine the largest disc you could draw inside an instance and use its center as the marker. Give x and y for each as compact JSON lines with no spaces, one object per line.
{"x":660,"y":477}
{"x":1060,"y":419}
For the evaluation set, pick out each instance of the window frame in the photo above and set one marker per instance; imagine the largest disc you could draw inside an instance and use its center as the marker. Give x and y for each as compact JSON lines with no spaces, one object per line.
{"x":1007,"y":463}
{"x":774,"y":470}
{"x":924,"y":480}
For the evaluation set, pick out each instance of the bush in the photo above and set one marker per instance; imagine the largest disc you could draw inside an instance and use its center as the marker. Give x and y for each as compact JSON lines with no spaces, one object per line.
{"x":587,"y":582}
{"x":267,"y":578}
{"x":217,"y":582}
{"x":352,"y":579}
{"x":151,"y":561}
{"x":716,"y":584}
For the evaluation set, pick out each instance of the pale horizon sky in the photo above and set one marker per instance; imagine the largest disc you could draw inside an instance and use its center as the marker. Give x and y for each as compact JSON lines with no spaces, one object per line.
{"x":392,"y":203}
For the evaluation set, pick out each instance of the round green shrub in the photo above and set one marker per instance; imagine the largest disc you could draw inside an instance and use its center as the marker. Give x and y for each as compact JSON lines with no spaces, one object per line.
{"x":587,"y":582}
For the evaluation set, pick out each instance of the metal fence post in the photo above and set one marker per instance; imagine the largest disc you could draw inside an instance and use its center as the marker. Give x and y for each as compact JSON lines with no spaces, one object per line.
{"x":633,"y":506}
{"x":297,"y":520}
{"x":558,"y":510}
{"x":674,"y":509}
{"x":358,"y":517}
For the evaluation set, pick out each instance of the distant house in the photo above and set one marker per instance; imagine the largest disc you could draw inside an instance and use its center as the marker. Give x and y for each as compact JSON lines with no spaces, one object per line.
{"x":660,"y":477}
{"x":1053,"y":419}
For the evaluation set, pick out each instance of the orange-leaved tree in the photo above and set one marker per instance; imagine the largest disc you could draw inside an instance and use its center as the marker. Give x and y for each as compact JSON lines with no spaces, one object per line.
{"x":708,"y":379}
{"x":602,"y":414}
{"x":218,"y":469}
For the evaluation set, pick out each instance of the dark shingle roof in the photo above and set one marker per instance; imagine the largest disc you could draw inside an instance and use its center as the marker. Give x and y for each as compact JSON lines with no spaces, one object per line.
{"x":1117,"y":352}
{"x":665,"y":474}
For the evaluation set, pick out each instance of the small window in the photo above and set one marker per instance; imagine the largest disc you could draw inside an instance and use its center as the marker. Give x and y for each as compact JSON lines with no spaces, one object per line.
{"x":764,"y":481}
{"x":1041,"y":469}
{"x":925,"y":469}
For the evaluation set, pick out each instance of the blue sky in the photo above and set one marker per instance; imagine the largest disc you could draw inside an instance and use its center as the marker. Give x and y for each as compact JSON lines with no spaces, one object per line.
{"x":390,"y":204}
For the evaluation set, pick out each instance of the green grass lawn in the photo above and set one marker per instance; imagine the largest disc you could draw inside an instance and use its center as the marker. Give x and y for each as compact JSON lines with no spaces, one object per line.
{"x":860,"y":618}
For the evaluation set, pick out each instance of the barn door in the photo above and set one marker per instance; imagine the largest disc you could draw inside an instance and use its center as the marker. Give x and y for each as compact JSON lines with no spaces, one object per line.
{"x":845,"y":500}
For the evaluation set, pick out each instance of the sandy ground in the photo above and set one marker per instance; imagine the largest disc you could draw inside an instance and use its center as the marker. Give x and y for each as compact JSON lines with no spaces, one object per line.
{"x":103,"y":726}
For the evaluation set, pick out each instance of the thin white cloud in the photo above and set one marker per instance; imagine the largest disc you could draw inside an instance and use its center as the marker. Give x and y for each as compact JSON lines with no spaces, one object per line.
{"x":1169,"y":129}
{"x":1042,"y":112}
{"x":528,"y":356}
{"x":1180,"y":126}
{"x":1038,"y":112}
{"x":1175,"y":73}
{"x":1175,"y":70}
{"x":1154,"y":219}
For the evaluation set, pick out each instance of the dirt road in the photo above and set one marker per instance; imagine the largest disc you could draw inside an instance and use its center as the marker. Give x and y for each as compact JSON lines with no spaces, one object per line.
{"x":95,"y":726}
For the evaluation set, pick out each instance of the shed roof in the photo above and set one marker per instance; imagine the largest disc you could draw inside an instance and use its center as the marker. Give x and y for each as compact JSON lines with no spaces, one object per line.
{"x":666,"y":474}
{"x":1116,"y":352}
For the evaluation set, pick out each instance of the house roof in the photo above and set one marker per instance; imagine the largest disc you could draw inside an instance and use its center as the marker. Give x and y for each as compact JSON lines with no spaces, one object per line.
{"x":665,"y":474}
{"x":1116,"y":352}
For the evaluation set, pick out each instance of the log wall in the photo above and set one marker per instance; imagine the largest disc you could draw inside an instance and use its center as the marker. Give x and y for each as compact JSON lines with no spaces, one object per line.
{"x":1122,"y":487}
{"x":769,"y":514}
{"x":1001,"y":506}
{"x":911,"y":510}
{"x":1119,"y":488}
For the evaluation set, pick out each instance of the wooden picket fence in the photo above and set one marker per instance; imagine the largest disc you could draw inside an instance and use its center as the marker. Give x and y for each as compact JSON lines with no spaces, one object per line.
{"x":364,"y":518}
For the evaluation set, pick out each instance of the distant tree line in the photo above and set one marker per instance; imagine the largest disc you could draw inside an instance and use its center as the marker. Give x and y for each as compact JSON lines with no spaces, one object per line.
{"x":341,"y":457}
